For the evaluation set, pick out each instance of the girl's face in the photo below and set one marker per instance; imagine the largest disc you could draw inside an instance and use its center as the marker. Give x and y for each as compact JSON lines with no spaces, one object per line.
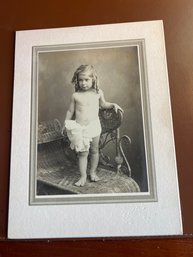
{"x":85,"y":81}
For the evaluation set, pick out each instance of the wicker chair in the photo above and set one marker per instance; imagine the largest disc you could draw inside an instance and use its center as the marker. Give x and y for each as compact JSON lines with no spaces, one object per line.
{"x":58,"y":168}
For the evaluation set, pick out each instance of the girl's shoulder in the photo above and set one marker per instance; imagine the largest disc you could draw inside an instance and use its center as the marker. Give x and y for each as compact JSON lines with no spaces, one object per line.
{"x":100,"y":92}
{"x":75,"y":94}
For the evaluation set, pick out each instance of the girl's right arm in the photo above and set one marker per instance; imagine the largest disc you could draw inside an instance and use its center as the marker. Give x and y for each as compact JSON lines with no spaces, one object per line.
{"x":71,"y":109}
{"x":69,"y":113}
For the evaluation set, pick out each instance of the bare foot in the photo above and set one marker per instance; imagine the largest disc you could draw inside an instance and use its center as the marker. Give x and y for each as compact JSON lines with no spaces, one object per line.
{"x":94,"y":177}
{"x":81,"y":182}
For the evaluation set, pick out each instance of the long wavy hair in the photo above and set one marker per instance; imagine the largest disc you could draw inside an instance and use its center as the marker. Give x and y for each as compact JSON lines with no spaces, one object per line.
{"x":84,"y":69}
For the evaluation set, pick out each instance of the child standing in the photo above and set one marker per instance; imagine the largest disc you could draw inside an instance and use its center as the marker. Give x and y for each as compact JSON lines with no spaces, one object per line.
{"x":84,"y":132}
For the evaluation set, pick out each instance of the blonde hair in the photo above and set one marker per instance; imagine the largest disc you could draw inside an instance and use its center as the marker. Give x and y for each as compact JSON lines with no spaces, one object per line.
{"x":83,"y":69}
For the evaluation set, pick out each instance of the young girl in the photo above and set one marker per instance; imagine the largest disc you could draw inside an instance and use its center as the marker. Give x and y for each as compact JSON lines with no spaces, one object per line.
{"x":84,"y":132}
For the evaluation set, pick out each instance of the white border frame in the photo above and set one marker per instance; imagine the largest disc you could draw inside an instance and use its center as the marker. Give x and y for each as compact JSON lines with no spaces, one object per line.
{"x":95,"y":220}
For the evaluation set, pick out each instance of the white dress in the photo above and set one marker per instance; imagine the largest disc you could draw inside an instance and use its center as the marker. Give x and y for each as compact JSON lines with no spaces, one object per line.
{"x":80,"y":136}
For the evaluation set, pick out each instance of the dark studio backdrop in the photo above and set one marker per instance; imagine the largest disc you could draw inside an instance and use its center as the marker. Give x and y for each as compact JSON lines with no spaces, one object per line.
{"x":118,"y":74}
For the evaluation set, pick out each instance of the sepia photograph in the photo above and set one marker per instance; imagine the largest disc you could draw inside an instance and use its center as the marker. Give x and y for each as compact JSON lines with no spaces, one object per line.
{"x":91,"y":130}
{"x":93,"y":152}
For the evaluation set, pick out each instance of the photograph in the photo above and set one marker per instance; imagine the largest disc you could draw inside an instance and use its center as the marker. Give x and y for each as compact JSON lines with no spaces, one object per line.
{"x":92,"y":151}
{"x":91,"y":130}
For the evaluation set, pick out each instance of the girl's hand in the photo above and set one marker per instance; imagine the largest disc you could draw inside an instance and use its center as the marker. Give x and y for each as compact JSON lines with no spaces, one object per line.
{"x":117,"y":107}
{"x":63,"y":132}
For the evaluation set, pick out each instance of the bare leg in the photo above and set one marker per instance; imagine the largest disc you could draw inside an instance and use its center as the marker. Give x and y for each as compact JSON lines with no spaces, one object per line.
{"x":83,"y":160}
{"x":94,"y":151}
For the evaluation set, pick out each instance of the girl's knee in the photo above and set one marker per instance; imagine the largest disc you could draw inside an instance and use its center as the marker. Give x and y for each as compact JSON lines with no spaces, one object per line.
{"x":83,"y":154}
{"x":94,"y":150}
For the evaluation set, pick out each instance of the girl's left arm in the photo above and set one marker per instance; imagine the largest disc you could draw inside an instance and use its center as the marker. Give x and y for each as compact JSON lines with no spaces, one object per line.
{"x":108,"y":105}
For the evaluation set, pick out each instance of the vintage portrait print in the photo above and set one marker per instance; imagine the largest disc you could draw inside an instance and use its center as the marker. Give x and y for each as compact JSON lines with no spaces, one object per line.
{"x":115,"y":162}
{"x":92,"y":152}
